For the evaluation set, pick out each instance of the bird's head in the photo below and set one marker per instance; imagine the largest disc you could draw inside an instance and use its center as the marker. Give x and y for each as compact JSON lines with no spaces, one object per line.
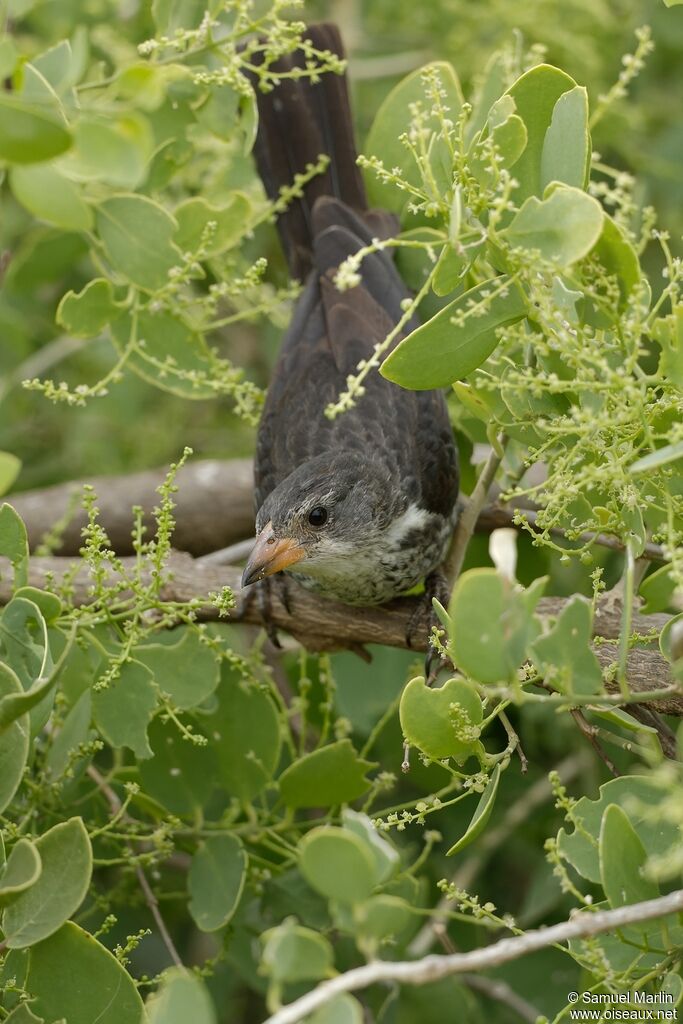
{"x":324,"y":511}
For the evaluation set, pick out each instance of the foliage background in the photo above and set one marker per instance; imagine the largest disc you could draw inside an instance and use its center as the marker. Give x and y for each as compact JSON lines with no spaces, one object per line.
{"x":137,"y":425}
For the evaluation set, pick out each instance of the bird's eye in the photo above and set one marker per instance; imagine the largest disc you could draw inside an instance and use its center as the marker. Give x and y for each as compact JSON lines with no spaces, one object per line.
{"x":317,"y":516}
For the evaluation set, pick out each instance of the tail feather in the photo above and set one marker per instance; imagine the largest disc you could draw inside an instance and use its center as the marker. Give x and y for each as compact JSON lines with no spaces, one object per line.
{"x":298,"y":122}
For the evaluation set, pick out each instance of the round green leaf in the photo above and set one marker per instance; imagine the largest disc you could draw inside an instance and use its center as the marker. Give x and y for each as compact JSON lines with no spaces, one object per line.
{"x":481,"y":815}
{"x":382,"y":919}
{"x":10,"y":466}
{"x":491,"y":625}
{"x":455,"y":342}
{"x":137,"y":235}
{"x":564,"y":654}
{"x":125,"y":708}
{"x":113,"y":150}
{"x":393,"y":119}
{"x":292,"y":953}
{"x":535,"y":94}
{"x":24,"y":1015}
{"x":566,"y":151}
{"x":84,"y":314}
{"x":637,"y":795}
{"x":193,"y":216}
{"x":14,"y":741}
{"x":59,"y":891}
{"x":335,"y":774}
{"x":72,"y":975}
{"x":337,"y":864}
{"x":49,"y":604}
{"x":29,"y":134}
{"x":181,"y":775}
{"x":21,"y":871}
{"x":622,"y":859}
{"x":563,"y":228}
{"x":188,"y":671}
{"x":428,"y":722}
{"x":215,"y":881}
{"x":660,"y":457}
{"x":51,"y":197}
{"x":245,"y":733}
{"x":386,"y":858}
{"x":181,"y":998}
{"x":343,"y":1009}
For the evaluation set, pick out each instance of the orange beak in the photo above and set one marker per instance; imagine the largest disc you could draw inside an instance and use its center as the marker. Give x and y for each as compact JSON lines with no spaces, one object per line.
{"x":270,"y":555}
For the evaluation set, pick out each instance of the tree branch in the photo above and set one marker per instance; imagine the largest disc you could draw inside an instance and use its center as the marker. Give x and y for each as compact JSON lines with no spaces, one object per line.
{"x":434,"y":967}
{"x":215,"y":509}
{"x":325,"y":625}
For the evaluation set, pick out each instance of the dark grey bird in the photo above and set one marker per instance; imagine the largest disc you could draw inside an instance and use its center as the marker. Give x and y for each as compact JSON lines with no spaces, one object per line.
{"x":361,"y":507}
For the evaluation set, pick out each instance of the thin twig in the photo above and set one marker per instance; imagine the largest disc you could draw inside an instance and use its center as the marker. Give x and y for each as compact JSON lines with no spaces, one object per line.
{"x":581,"y":925}
{"x":115,"y":806}
{"x":590,"y":732}
{"x":468,"y":517}
{"x":514,"y":742}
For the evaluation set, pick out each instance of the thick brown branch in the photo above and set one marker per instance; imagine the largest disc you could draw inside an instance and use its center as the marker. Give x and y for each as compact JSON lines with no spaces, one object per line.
{"x":214,"y":506}
{"x":328,"y":625}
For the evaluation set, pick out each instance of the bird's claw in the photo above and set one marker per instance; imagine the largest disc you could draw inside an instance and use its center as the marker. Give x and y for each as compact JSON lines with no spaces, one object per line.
{"x":436,"y":586}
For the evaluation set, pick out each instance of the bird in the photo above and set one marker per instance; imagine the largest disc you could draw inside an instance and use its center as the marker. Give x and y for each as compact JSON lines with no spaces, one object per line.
{"x":361,"y":507}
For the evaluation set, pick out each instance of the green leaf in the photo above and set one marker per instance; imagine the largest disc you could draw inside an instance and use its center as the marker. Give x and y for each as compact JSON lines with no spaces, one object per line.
{"x":382,"y":920}
{"x":672,"y":3}
{"x":455,"y":342}
{"x":481,"y":815}
{"x":563,"y":654}
{"x":173,"y":15}
{"x":343,"y":1009}
{"x":188,"y":671}
{"x":58,"y":67}
{"x":335,"y":774}
{"x":535,"y":94}
{"x":337,"y":864}
{"x":146,"y":84}
{"x":566,"y":151}
{"x":123,"y":710}
{"x":84,"y":314}
{"x":385,"y":856}
{"x":622,"y":859}
{"x":24,"y":640}
{"x":292,"y":953}
{"x":231,"y":223}
{"x":657,"y":590}
{"x":29,"y":134}
{"x":441,"y":722}
{"x":14,"y":543}
{"x":637,"y":795}
{"x":181,"y":775}
{"x":563,"y":228}
{"x":216,"y":880}
{"x":618,"y":257}
{"x":137,"y":235}
{"x":181,"y":998}
{"x":172,"y":356}
{"x":14,"y":742}
{"x":492,"y":625}
{"x":51,"y":197}
{"x":49,"y":605}
{"x":667,"y":331}
{"x":21,"y":871}
{"x":449,"y":271}
{"x":67,"y":865}
{"x":95,"y":989}
{"x":393,"y":119}
{"x":246,"y":731}
{"x":661,"y":457}
{"x":115,"y":151}
{"x":10,"y":466}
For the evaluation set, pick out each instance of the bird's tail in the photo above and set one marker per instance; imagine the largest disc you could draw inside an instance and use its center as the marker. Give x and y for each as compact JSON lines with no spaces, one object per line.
{"x":299,"y":122}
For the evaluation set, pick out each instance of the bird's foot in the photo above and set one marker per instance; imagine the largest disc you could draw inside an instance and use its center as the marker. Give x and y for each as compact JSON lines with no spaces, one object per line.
{"x":262,"y":593}
{"x":436,"y":586}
